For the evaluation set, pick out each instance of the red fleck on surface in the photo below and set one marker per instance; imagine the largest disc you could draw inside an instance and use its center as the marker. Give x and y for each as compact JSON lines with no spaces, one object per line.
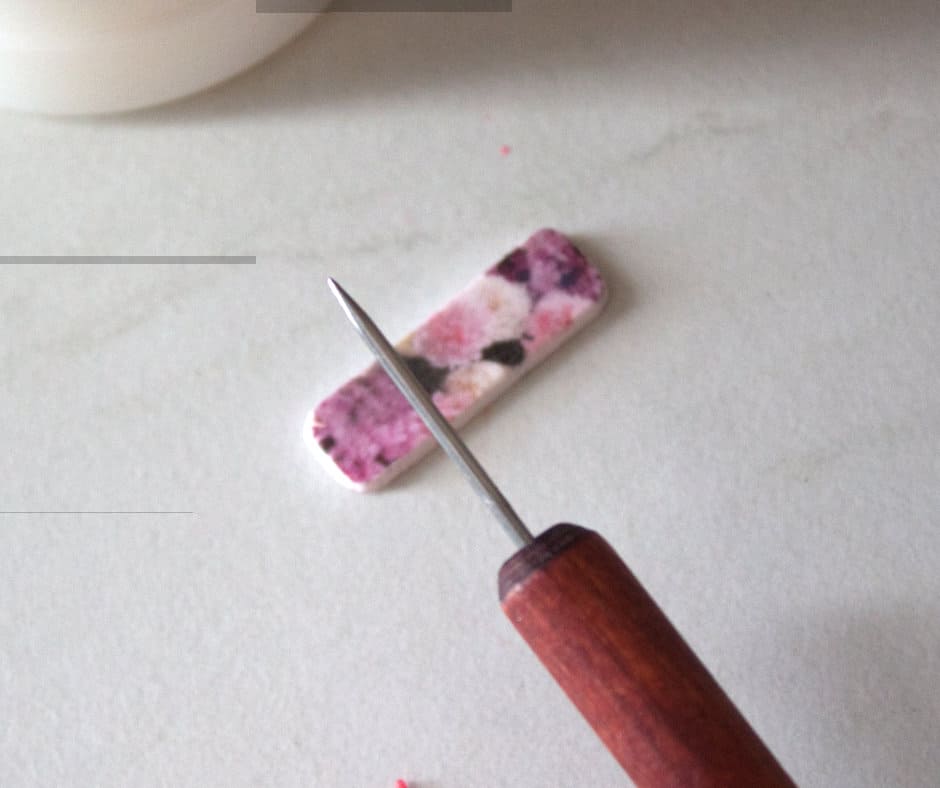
{"x":504,"y":150}
{"x":401,"y":784}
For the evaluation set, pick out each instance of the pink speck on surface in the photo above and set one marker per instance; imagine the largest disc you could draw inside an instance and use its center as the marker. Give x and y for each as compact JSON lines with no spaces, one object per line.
{"x":401,"y":784}
{"x":504,"y":150}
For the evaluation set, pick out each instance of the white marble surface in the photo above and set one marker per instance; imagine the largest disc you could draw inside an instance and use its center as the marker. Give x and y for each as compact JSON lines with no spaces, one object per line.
{"x":753,"y":423}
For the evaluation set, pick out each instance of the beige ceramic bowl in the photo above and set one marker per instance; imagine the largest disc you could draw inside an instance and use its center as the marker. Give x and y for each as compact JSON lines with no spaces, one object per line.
{"x":98,"y":56}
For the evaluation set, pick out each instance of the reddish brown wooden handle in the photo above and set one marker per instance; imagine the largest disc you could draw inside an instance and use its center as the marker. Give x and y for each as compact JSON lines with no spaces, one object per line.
{"x":627,"y":669}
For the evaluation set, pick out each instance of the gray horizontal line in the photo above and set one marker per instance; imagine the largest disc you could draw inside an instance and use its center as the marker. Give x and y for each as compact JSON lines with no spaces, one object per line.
{"x":127,"y":260}
{"x":372,"y":6}
{"x":86,"y":512}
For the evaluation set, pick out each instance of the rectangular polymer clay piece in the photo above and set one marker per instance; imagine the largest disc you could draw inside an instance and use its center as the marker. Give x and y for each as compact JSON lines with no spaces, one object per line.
{"x":503,"y":324}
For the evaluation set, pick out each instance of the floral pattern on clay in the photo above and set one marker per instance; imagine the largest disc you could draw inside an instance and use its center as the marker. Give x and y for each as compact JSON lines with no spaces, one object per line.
{"x":464,"y":355}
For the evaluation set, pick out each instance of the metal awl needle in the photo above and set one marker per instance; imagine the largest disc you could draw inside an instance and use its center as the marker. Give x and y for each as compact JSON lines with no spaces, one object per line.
{"x":440,"y":428}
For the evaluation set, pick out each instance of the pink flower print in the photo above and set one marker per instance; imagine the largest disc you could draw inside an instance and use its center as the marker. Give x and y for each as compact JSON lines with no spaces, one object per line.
{"x":452,"y":336}
{"x":547,"y":262}
{"x":453,"y":404}
{"x":466,"y":385}
{"x":366,"y":425}
{"x":489,"y":311}
{"x":551,"y":316}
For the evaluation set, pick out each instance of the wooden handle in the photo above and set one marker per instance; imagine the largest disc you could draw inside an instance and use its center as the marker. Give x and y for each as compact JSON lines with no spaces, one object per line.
{"x":627,"y":669}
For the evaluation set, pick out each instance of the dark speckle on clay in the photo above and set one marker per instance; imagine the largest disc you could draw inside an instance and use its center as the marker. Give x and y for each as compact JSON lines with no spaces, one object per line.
{"x":429,"y":376}
{"x":511,"y":353}
{"x":514,"y":266}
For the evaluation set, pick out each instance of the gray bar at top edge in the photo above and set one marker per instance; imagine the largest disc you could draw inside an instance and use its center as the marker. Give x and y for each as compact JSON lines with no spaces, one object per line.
{"x":377,"y":6}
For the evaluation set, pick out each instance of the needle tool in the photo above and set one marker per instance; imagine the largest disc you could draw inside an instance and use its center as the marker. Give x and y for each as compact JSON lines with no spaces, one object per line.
{"x":599,"y":633}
